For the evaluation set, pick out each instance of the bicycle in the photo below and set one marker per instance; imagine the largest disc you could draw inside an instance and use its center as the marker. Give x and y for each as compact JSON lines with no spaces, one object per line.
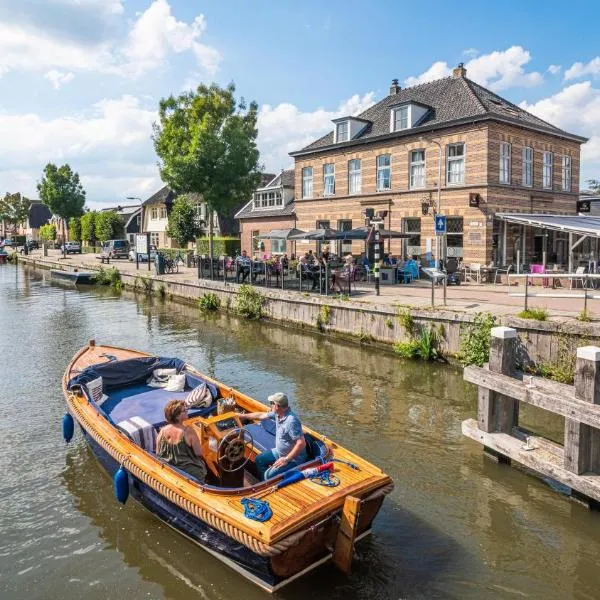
{"x":171,"y":265}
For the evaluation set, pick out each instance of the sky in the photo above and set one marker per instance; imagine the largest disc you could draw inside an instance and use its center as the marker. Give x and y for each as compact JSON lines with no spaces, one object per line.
{"x":81,"y":80}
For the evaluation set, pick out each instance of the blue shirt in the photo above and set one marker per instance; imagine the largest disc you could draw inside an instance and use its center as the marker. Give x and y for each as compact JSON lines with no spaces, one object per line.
{"x":288,"y":430}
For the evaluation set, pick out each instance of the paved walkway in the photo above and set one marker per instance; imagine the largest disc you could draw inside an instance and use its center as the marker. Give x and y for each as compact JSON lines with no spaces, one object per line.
{"x":468,"y":297}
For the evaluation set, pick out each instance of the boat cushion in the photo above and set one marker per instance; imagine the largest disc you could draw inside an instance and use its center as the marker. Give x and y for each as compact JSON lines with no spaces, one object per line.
{"x":95,"y":390}
{"x":263,"y":434}
{"x":141,"y":432}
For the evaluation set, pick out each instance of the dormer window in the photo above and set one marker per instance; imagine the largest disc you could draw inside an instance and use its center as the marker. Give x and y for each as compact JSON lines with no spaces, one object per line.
{"x":401,"y":118}
{"x":348,"y":128}
{"x":341,"y":131}
{"x":405,"y":116}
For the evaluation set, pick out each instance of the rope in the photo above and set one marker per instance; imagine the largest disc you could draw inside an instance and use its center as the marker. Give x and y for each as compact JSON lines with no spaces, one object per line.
{"x":257,"y":510}
{"x":325,"y":478}
{"x":345,"y":462}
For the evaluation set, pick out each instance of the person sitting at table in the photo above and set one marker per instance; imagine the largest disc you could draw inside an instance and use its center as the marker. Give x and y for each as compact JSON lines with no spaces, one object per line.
{"x":326,"y":252}
{"x":242,"y":263}
{"x":344,"y":274}
{"x":306,"y":271}
{"x":386,"y":259}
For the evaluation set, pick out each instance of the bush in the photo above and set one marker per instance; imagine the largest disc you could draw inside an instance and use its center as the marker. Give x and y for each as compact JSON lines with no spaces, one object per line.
{"x":227,"y":246}
{"x":249,"y":302}
{"x":425,"y":347}
{"x":209,"y":302}
{"x":110,"y":277}
{"x":475,"y":340}
{"x":538,"y":314}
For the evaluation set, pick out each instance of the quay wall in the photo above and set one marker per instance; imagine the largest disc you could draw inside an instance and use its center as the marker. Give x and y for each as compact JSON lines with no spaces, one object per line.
{"x":540,"y":342}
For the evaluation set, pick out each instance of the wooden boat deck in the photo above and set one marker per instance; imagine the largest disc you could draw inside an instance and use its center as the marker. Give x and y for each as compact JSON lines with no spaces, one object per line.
{"x":294,"y":507}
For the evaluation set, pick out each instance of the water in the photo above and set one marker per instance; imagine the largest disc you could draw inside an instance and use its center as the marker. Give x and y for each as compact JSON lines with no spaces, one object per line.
{"x":456,"y":526}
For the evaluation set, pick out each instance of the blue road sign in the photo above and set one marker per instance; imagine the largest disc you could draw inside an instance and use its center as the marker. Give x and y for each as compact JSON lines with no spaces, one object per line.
{"x":440,"y":225}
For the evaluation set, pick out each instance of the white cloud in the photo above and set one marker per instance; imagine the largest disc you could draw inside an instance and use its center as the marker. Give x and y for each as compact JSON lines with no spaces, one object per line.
{"x":58,"y":78}
{"x":580,"y":69}
{"x":497,"y":70}
{"x":471,"y":52}
{"x":285,"y":128}
{"x":554,"y":69}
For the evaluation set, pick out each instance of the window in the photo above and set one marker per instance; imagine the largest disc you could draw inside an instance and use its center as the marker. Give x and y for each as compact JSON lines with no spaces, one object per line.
{"x":454,"y":236}
{"x":138,"y":220}
{"x":154,"y":239}
{"x":271,"y":199}
{"x":278,"y":246}
{"x":413,"y":243}
{"x":547,"y":171}
{"x":354,"y":176}
{"x":344,"y":246}
{"x":342,"y":131}
{"x":528,"y":166}
{"x":321,"y":225}
{"x":401,"y":118}
{"x":256,"y":240}
{"x":328,"y":179}
{"x":456,"y":164}
{"x":566,"y":174}
{"x":307,"y":182}
{"x":163,"y":212}
{"x":383,"y":172}
{"x":504,"y":174}
{"x":154,"y":213}
{"x":417,"y":169}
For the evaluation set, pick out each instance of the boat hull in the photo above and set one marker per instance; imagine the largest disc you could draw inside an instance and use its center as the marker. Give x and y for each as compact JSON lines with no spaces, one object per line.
{"x":77,"y":277}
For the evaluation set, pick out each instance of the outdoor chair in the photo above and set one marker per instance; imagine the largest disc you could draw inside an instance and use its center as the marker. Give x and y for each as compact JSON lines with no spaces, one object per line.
{"x":500,"y":271}
{"x":413,"y":269}
{"x":473,"y":272}
{"x":582,"y":280}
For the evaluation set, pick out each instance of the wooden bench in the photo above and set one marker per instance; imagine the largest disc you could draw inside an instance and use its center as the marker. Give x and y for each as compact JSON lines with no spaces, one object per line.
{"x":103,"y":259}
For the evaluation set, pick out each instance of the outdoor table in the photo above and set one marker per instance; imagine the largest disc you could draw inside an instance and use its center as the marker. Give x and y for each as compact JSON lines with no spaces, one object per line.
{"x":387,"y":275}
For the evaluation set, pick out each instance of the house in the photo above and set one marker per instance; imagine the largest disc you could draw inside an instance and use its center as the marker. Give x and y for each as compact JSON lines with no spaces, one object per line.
{"x":132,"y":219}
{"x":272,"y":207}
{"x":449,"y":147}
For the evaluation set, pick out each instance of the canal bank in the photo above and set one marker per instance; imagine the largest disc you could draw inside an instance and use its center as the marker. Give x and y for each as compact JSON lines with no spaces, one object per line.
{"x":543,"y":343}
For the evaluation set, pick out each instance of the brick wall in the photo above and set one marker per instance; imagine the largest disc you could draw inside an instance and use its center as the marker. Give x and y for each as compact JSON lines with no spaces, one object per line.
{"x":263,"y":225}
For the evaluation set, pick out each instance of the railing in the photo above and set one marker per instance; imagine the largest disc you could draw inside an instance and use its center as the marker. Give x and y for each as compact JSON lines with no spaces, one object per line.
{"x":590,"y":286}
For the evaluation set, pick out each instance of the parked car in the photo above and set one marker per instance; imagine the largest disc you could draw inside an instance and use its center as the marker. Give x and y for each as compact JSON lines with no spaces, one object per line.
{"x":7,"y":243}
{"x":71,"y":248}
{"x":143,"y":257}
{"x":115,"y":249}
{"x":31,"y":245}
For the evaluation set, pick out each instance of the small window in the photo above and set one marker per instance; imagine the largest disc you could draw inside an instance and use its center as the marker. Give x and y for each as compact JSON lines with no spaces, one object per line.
{"x":328,"y":179}
{"x":154,"y":239}
{"x":342,"y":131}
{"x":455,"y":172}
{"x":413,"y":243}
{"x":566,"y":174}
{"x":401,"y":118}
{"x":256,"y":240}
{"x":504,"y":174}
{"x":417,"y":169}
{"x":278,"y":199}
{"x":547,"y":171}
{"x":307,"y":182}
{"x":154,"y":213}
{"x":528,"y":166}
{"x":163,"y":212}
{"x":354,"y":176}
{"x":383,"y":172}
{"x":278,"y":246}
{"x":271,"y":199}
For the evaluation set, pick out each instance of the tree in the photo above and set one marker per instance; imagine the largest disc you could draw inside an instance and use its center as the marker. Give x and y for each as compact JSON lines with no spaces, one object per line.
{"x":594,"y":185}
{"x":206,"y":143}
{"x":75,"y":229}
{"x":14,"y":208}
{"x":48,"y":232}
{"x":88,"y":227}
{"x":61,"y":191}
{"x":109,"y":226}
{"x":183,"y":226}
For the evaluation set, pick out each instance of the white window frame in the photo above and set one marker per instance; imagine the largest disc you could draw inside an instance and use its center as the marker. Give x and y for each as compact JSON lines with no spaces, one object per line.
{"x":380,"y":170}
{"x":339,"y":138}
{"x":413,"y":167}
{"x":547,"y":170}
{"x":504,"y":166}
{"x":155,"y":238}
{"x":354,"y":176}
{"x":396,"y":118}
{"x":307,"y":182}
{"x":278,"y":246}
{"x":163,"y":212}
{"x":527,"y":178}
{"x":328,"y":180}
{"x":566,"y":173}
{"x":451,"y":160}
{"x":154,"y":213}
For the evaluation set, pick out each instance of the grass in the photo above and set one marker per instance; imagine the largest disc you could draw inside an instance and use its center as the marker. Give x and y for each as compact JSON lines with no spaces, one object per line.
{"x":537,"y":314}
{"x":584,"y":316}
{"x":424,"y":347}
{"x":110,"y":277}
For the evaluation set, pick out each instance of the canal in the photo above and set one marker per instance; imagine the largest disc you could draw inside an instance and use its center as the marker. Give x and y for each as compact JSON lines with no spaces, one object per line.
{"x":456,"y":526}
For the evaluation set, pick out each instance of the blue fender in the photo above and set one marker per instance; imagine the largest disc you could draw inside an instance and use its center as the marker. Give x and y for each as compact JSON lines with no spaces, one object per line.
{"x":68,"y":427}
{"x":121,"y":485}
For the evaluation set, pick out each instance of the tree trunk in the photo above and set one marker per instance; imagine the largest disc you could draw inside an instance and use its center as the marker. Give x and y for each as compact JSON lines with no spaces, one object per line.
{"x":210,"y":239}
{"x":64,"y":238}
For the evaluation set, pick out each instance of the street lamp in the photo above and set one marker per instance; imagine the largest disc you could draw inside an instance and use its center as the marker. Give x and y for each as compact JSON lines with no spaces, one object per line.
{"x":439,"y":192}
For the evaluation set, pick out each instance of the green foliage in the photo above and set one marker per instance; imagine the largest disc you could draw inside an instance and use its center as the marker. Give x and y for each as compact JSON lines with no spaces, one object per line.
{"x":88,"y":227}
{"x":425,"y":346}
{"x":75,"y":229}
{"x":209,"y":302}
{"x":365,"y":337}
{"x":48,"y":232}
{"x":538,"y":314}
{"x":110,"y":277}
{"x":475,"y":340}
{"x":13,"y":257}
{"x":14,"y":208}
{"x":249,"y":302}
{"x":222,"y":246}
{"x":409,"y":349}
{"x":389,"y":324}
{"x":584,"y":316}
{"x":407,"y":321}
{"x":109,"y":226}
{"x":562,"y":366}
{"x":143,"y":283}
{"x":323,"y":317}
{"x":61,"y":191}
{"x":562,"y":371}
{"x":182,"y":225}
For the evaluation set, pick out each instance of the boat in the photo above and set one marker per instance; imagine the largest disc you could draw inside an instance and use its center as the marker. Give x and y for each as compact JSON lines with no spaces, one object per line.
{"x":77,"y":277}
{"x":272,"y":531}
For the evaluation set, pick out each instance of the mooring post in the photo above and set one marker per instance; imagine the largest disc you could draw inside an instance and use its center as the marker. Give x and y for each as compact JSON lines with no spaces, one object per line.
{"x":582,"y":442}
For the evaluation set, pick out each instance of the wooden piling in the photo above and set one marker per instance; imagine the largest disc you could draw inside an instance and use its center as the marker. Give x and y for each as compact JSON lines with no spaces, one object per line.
{"x":344,"y":543}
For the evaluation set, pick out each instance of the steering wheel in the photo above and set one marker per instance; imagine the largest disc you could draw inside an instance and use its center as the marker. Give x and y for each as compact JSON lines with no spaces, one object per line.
{"x":230,"y":453}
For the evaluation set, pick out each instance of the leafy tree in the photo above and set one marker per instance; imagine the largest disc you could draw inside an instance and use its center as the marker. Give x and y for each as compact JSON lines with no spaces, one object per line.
{"x":61,"y":191}
{"x":75,"y":229}
{"x":109,"y":226}
{"x":14,"y":208}
{"x":88,"y":227}
{"x":206,"y":143}
{"x":594,"y":185}
{"x":183,"y":227}
{"x":48,"y":232}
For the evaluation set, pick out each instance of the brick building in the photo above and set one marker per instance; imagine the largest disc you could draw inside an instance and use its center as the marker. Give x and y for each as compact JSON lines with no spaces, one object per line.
{"x":492,"y":156}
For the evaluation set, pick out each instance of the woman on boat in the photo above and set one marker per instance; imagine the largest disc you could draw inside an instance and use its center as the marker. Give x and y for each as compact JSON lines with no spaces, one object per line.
{"x":177,"y":444}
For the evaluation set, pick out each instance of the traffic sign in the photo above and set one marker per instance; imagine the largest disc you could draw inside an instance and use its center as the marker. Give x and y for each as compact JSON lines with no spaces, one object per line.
{"x":440,"y":225}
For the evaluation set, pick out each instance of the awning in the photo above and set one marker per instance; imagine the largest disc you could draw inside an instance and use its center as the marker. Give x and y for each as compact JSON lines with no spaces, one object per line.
{"x":280,"y":234}
{"x":582,"y":225}
{"x":317,"y":234}
{"x":362,"y":233}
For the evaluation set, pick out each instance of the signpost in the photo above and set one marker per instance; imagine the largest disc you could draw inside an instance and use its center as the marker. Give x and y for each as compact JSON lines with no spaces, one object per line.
{"x":440,"y":225}
{"x":142,"y":246}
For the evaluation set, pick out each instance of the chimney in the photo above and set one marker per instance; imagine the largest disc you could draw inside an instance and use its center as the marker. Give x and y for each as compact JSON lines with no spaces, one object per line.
{"x":460,"y":71}
{"x":394,"y":88}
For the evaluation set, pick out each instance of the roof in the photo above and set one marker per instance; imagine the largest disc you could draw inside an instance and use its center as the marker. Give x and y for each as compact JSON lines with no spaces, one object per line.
{"x":582,"y":225}
{"x":164,"y":195}
{"x":248,"y":212}
{"x":452,"y":101}
{"x":123,"y":210}
{"x":285,"y":178}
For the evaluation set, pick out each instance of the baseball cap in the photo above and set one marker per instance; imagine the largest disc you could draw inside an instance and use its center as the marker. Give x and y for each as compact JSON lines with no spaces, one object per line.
{"x":279,"y":398}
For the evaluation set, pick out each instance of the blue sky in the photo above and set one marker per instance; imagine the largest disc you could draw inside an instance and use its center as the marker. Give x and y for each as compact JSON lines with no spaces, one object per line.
{"x":81,"y":79}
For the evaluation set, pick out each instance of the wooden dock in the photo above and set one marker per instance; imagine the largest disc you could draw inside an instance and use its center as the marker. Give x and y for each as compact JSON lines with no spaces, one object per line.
{"x":575,"y":464}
